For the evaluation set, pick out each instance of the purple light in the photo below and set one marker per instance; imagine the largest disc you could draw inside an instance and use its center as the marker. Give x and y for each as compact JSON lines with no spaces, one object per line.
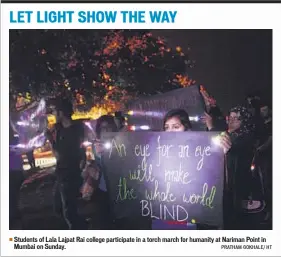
{"x":23,"y":123}
{"x":88,"y":124}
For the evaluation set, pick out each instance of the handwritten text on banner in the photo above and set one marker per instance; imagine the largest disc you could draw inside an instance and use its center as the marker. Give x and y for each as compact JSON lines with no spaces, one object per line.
{"x":168,"y":176}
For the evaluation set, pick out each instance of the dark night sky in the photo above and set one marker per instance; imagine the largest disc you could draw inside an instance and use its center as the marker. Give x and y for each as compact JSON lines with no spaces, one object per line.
{"x":229,"y":63}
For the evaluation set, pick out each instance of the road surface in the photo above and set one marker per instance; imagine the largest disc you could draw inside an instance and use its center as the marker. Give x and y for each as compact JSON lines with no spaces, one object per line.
{"x":36,"y":203}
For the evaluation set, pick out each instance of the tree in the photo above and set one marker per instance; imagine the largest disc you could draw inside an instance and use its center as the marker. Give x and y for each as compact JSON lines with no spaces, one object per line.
{"x":94,"y":67}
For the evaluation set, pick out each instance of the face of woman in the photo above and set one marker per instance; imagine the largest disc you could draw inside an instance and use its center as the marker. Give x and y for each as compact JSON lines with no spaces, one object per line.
{"x":174,"y":125}
{"x":234,"y":121}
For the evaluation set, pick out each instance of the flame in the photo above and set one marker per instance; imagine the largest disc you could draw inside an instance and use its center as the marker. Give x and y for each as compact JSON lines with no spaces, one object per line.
{"x":105,"y":76}
{"x":178,"y":49}
{"x":115,"y":96}
{"x":184,"y":81}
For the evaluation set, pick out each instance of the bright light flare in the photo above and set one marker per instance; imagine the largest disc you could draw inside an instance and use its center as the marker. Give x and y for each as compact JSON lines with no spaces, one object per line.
{"x":216,"y":140}
{"x":194,"y":118}
{"x":86,"y":143}
{"x":131,"y":113}
{"x":153,"y":114}
{"x":33,"y":143}
{"x":144,"y":127}
{"x":23,"y":123}
{"x":132,"y":128}
{"x":107,"y":145}
{"x":21,"y":146}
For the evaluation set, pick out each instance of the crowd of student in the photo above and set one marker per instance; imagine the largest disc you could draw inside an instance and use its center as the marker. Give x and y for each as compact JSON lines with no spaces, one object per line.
{"x":247,"y":144}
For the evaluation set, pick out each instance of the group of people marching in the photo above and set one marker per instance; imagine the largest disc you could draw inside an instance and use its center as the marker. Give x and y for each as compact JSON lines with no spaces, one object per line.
{"x":247,"y":144}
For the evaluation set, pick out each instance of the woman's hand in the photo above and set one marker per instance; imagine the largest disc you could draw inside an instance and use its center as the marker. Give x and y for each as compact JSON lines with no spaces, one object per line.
{"x":208,"y":120}
{"x":225,"y":142}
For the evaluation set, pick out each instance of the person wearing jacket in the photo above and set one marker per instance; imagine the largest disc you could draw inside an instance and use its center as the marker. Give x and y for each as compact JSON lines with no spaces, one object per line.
{"x":238,"y":163}
{"x":16,"y":178}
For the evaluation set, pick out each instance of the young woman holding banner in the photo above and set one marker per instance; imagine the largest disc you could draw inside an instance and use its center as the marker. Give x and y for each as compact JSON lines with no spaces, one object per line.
{"x":104,"y":219}
{"x":177,"y":120}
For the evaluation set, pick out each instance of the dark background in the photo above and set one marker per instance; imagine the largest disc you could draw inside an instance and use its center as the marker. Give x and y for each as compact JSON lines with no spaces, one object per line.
{"x":229,"y":63}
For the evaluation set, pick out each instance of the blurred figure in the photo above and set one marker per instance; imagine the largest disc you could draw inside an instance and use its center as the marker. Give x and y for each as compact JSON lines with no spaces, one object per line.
{"x":66,"y":139}
{"x":253,"y":106}
{"x":266,"y":142}
{"x":265,"y":155}
{"x":120,"y":122}
{"x":16,"y":178}
{"x":253,"y":102}
{"x":103,"y":218}
{"x":238,"y":161}
{"x":104,"y":124}
{"x":31,"y":159}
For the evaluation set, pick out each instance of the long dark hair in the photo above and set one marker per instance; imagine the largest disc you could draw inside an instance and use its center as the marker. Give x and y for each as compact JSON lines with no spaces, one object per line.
{"x":108,"y":119}
{"x":181,"y":114}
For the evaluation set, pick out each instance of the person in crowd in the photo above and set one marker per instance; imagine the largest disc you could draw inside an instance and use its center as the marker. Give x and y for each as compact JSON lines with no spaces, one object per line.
{"x":177,"y":120}
{"x":253,"y":106}
{"x":239,"y":184}
{"x":31,"y":159}
{"x":103,"y":219}
{"x":239,"y":160}
{"x":263,"y":141}
{"x":266,"y":142}
{"x":253,"y":102}
{"x":16,"y":178}
{"x":120,"y":122}
{"x":66,"y":139}
{"x":106,"y":219}
{"x":105,"y":123}
{"x":265,"y":155}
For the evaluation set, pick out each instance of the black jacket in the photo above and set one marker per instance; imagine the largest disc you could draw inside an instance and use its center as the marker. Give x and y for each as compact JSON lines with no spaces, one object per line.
{"x":237,"y":176}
